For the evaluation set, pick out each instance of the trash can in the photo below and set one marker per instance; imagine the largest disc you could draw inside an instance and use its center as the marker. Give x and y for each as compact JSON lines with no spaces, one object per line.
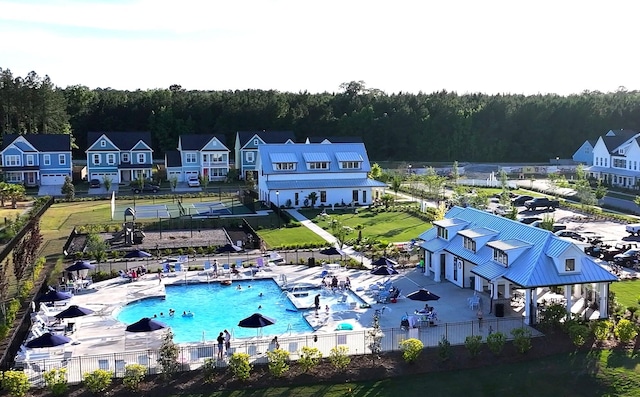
{"x":499,"y":310}
{"x":472,"y":282}
{"x":311,"y":262}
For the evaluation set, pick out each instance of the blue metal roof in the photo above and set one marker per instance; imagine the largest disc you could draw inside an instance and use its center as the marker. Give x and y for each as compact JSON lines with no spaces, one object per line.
{"x":283,"y":158}
{"x":534,"y":266}
{"x":316,"y":157}
{"x":348,"y":156}
{"x":489,"y":270}
{"x":323,"y":184}
{"x":434,"y":245}
{"x":312,"y":152}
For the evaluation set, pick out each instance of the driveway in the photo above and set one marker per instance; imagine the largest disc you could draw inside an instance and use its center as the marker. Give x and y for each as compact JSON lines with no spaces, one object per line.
{"x":50,"y":190}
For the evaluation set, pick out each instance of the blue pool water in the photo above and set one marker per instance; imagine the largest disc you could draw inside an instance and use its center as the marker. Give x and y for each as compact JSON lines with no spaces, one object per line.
{"x":217,"y":308}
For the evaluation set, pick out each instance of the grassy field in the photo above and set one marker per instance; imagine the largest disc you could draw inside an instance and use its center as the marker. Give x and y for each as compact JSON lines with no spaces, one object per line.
{"x":289,"y":236}
{"x":627,"y":292}
{"x":597,"y":373}
{"x":389,"y":226}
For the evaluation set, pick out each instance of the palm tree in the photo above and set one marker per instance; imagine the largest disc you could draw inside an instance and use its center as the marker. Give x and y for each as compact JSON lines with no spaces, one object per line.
{"x":15,"y":192}
{"x":312,"y":197}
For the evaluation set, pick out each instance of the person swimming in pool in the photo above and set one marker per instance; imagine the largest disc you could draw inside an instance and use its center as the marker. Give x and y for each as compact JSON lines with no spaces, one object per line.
{"x":239,"y":287}
{"x":260,"y":294}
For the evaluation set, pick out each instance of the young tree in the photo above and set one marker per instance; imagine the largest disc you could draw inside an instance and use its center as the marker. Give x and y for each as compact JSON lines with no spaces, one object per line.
{"x":601,"y":190}
{"x":173,"y":182}
{"x":376,"y":171}
{"x":583,"y":188}
{"x":204,"y":182}
{"x":396,"y":183}
{"x":107,"y":182}
{"x":15,"y":193}
{"x":312,"y":197}
{"x":504,"y":184}
{"x":68,"y":189}
{"x":455,"y":172}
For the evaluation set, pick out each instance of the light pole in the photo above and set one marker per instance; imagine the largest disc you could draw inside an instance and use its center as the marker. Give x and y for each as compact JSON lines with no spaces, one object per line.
{"x":410,"y":183}
{"x":278,"y":202}
{"x":557,"y":161}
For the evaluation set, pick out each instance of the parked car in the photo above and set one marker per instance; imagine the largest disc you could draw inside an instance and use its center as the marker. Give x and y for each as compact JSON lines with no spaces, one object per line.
{"x":94,"y":183}
{"x":541,"y":202}
{"x":628,"y":258}
{"x":555,"y":228}
{"x":147,"y":188}
{"x":633,"y":229}
{"x":520,"y":200}
{"x":609,"y":254}
{"x":570,"y":234}
{"x":194,"y":181}
{"x":529,"y":220}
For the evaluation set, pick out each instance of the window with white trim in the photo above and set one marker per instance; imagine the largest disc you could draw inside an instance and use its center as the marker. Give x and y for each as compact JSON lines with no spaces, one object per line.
{"x":141,"y":158}
{"x":443,"y":232}
{"x":96,"y":159}
{"x":250,"y":157}
{"x":62,"y":159}
{"x":190,"y":158}
{"x":350,"y":165}
{"x":500,"y":257}
{"x":12,"y":161}
{"x":218,"y":172}
{"x":469,"y":244}
{"x":285,"y":166}
{"x":125,"y":157}
{"x":103,"y":143}
{"x":46,"y":159}
{"x":570,"y":265}
{"x":256,"y":142}
{"x":318,"y":165}
{"x":216,"y":157}
{"x":30,"y":159}
{"x":111,"y":158}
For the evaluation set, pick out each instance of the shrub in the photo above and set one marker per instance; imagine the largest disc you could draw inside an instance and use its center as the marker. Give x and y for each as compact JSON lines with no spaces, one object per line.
{"x":495,"y":342}
{"x":98,"y":380}
{"x":168,"y":356}
{"x":444,"y":349}
{"x":339,"y":358}
{"x":473,"y":344}
{"x":239,"y":364}
{"x":602,"y":329}
{"x":15,"y":383}
{"x":411,"y":349}
{"x":133,"y":375}
{"x":578,"y":333}
{"x":521,"y":339}
{"x":552,"y":316}
{"x":625,"y":330}
{"x":309,"y":358}
{"x":278,"y":362}
{"x":56,"y":381}
{"x":209,"y":369}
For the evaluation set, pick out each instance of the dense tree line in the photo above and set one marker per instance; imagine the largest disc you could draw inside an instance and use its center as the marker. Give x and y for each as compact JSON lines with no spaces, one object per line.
{"x":440,"y":126}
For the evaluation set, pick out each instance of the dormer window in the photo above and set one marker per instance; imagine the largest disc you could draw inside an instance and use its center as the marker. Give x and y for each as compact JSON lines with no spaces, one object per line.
{"x":285,"y":166}
{"x":318,"y":165}
{"x":500,"y":257}
{"x":570,"y":265}
{"x":469,"y":244}
{"x":443,"y":233}
{"x":350,"y":165}
{"x":620,"y":151}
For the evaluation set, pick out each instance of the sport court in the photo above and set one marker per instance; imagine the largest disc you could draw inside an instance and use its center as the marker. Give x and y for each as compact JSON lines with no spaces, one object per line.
{"x":149,"y":211}
{"x":213,"y":208}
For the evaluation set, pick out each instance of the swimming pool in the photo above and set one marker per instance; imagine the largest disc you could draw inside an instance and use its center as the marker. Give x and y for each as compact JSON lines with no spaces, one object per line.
{"x":217,"y":308}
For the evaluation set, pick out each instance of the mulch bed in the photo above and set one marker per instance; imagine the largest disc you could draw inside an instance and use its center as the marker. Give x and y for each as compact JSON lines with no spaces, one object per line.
{"x":361,"y":368}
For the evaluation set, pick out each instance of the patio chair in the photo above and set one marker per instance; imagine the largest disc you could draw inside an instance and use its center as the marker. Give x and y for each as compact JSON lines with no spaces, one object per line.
{"x":123,"y":274}
{"x":104,"y":364}
{"x":275,"y":257}
{"x":208,"y":269}
{"x":226,"y":269}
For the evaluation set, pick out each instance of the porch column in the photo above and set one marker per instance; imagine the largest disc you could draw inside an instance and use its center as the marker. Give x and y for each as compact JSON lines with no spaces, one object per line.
{"x":603,"y":304}
{"x":527,"y":306}
{"x":577,"y":290}
{"x":494,"y":289}
{"x":567,"y":296}
{"x":437,"y":266}
{"x":507,"y":290}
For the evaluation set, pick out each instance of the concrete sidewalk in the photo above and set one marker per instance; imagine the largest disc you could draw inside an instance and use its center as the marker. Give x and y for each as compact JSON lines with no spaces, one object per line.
{"x":329,"y":238}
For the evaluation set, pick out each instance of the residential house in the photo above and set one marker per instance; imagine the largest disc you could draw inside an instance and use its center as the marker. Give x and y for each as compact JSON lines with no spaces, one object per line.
{"x":488,"y":253}
{"x":336,"y":173}
{"x":121,"y":156}
{"x":616,"y":159}
{"x":333,"y":139}
{"x":199,"y":154}
{"x":584,"y":154}
{"x":246,"y":148}
{"x":36,"y":159}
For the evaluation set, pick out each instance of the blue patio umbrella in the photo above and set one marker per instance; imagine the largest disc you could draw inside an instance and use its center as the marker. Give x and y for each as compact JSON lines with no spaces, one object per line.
{"x":228,"y":248}
{"x":54,"y":296}
{"x":384,"y":261}
{"x":137,"y":254}
{"x":73,"y":311}
{"x":47,"y":340}
{"x":80,"y":265}
{"x":384,"y":271}
{"x":146,"y":324}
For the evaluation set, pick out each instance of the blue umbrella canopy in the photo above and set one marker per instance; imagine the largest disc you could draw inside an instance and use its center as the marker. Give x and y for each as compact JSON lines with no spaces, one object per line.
{"x":146,"y":325}
{"x":423,"y":295}
{"x":137,"y":254}
{"x":54,"y":296}
{"x":73,"y":311}
{"x":384,"y":261}
{"x":80,"y":265}
{"x":256,"y":320}
{"x":47,"y":340}
{"x":384,"y":271}
{"x":331,"y":251}
{"x":228,"y":248}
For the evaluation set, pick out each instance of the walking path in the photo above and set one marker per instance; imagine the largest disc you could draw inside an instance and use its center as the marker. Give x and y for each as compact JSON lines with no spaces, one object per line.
{"x":328,"y":237}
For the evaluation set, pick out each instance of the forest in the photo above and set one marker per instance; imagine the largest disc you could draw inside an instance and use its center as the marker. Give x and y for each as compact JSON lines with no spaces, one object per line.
{"x":438,"y":126}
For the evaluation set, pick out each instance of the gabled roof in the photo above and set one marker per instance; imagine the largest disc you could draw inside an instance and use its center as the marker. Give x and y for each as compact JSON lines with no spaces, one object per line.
{"x":42,"y":142}
{"x":335,"y":139}
{"x":312,"y":152}
{"x":616,"y":138}
{"x":173,"y":159}
{"x":122,"y":140}
{"x":199,"y":141}
{"x":269,"y":137}
{"x":534,"y":267}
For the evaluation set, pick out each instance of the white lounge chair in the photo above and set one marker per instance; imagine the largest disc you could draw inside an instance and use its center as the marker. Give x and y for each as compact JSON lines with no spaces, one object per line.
{"x":208,"y":269}
{"x":275,"y":257}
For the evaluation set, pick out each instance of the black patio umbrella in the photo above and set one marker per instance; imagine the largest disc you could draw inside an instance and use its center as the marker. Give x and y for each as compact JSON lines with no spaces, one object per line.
{"x":146,"y":324}
{"x":47,"y":340}
{"x":73,"y":311}
{"x":228,"y":248}
{"x":137,"y":254}
{"x":423,"y":295}
{"x":256,"y":320}
{"x":54,"y":296}
{"x":384,"y":271}
{"x":331,"y":251}
{"x":384,"y":261}
{"x":80,"y":265}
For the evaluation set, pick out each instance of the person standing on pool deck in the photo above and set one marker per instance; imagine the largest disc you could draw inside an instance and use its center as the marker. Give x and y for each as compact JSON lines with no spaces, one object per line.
{"x":227,"y":340}
{"x":220,"y":340}
{"x":316,"y":301}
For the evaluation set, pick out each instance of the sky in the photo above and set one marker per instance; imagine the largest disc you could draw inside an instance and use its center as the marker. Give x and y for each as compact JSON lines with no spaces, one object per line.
{"x":467,"y":46}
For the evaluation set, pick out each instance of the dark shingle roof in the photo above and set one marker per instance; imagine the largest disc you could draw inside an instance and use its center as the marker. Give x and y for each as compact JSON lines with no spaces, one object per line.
{"x":123,"y":140}
{"x":197,"y":141}
{"x":612,"y":142}
{"x":335,"y":139}
{"x":173,"y":159}
{"x":42,"y":142}
{"x":266,"y":136}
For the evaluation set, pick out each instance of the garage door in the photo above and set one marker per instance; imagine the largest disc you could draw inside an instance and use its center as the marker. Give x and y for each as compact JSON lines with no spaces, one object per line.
{"x":187,"y":174}
{"x":52,"y":179}
{"x":100,"y":175}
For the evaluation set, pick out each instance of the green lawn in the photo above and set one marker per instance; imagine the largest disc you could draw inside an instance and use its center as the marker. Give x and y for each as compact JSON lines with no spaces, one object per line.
{"x":289,"y":236}
{"x":388,"y":226}
{"x":597,"y":373}
{"x":627,"y":292}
